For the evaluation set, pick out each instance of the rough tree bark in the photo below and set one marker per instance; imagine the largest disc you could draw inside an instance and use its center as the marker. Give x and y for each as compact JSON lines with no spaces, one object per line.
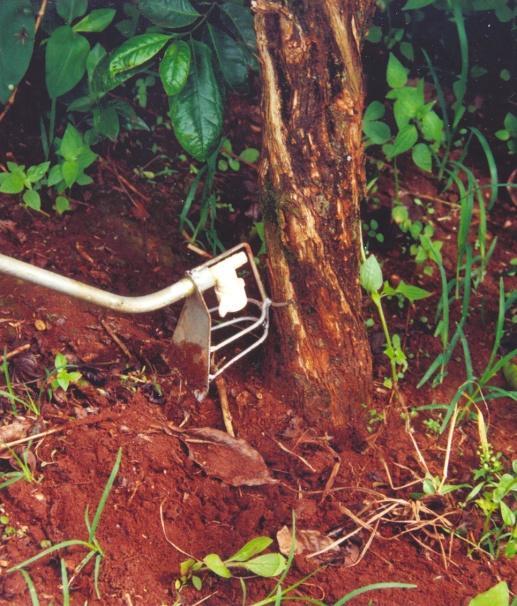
{"x":312,"y":183}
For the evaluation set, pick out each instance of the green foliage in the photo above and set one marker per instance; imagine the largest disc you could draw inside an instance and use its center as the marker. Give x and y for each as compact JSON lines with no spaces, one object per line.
{"x":509,"y":132}
{"x":246,"y":559}
{"x":498,"y":595}
{"x":372,"y":281}
{"x":61,"y":377}
{"x":22,"y":468}
{"x":26,"y":181}
{"x":92,"y":545}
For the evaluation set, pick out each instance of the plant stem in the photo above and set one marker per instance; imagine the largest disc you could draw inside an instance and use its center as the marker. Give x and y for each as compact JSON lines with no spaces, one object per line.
{"x":376,"y":298}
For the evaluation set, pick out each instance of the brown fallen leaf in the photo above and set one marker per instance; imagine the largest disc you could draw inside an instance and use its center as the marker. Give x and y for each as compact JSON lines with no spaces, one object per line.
{"x":232,"y":460}
{"x":14,"y":431}
{"x":310,"y":541}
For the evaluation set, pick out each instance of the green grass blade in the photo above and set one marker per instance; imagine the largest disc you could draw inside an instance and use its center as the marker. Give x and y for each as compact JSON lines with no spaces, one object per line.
{"x":105,"y":495}
{"x":30,"y":586}
{"x":492,"y":166}
{"x":387,"y":585}
{"x":48,"y":551}
{"x":466,"y":354}
{"x":64,"y":583}
{"x":439,"y":94}
{"x":96,"y":575}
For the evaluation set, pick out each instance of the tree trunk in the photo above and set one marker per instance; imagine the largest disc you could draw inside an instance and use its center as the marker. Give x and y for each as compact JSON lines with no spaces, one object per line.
{"x":312,"y":182}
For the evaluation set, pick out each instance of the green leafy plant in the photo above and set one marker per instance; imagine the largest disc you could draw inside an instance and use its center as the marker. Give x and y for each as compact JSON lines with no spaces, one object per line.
{"x":495,"y":493}
{"x":92,"y":545}
{"x":509,"y":132}
{"x":372,"y":282}
{"x":246,"y":559}
{"x":22,"y":469}
{"x":498,"y":595}
{"x":19,"y":179}
{"x":26,"y":401}
{"x":62,"y":377}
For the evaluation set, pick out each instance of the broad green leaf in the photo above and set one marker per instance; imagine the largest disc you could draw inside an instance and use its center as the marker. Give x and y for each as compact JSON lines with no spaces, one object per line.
{"x":70,"y":170}
{"x":432,"y":127}
{"x":510,"y":124}
{"x":422,"y":157}
{"x":377,"y":132}
{"x":197,"y":111}
{"x":214,"y":563}
{"x":396,"y":74}
{"x":16,"y":43}
{"x":173,"y":14}
{"x":65,"y":60}
{"x":103,"y":80}
{"x":175,"y":67}
{"x":251,"y":548}
{"x":510,"y":373}
{"x":197,"y":582}
{"x":371,"y":275}
{"x":37,"y":172}
{"x":404,"y":140}
{"x":250,"y":155}
{"x":374,"y":111}
{"x":412,"y":293}
{"x":136,"y":51}
{"x":507,"y":514}
{"x":71,"y":144}
{"x":232,"y":58}
{"x":12,"y":183}
{"x":406,"y":48}
{"x":410,"y":99}
{"x":399,"y":214}
{"x":61,"y":205}
{"x":267,"y":565}
{"x":374,"y":34}
{"x":97,"y":53}
{"x":32,"y":199}
{"x":96,"y":21}
{"x":498,"y":595}
{"x":240,"y":21}
{"x":55,"y":176}
{"x":71,"y":9}
{"x":106,"y":122}
{"x":415,"y":4}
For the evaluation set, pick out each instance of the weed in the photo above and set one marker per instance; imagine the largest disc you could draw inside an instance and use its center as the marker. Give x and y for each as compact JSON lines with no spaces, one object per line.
{"x":92,"y":545}
{"x":22,"y":468}
{"x":61,"y":376}
{"x":372,"y":282}
{"x":26,"y":401}
{"x":498,"y":595}
{"x":26,"y":181}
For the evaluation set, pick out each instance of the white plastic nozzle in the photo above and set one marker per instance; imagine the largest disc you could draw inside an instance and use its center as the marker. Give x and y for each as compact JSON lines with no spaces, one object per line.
{"x":229,"y":288}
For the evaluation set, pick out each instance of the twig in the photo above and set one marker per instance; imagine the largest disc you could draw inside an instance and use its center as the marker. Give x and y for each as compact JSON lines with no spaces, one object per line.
{"x":12,"y":97}
{"x":167,"y":538}
{"x":302,"y":459}
{"x":331,"y":479}
{"x":14,"y":352}
{"x":116,"y":340}
{"x":225,"y":406}
{"x":106,"y":416}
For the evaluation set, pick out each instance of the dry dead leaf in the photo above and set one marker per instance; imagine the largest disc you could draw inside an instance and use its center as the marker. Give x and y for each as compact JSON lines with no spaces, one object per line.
{"x":307,"y":541}
{"x":14,"y":431}
{"x":232,"y":460}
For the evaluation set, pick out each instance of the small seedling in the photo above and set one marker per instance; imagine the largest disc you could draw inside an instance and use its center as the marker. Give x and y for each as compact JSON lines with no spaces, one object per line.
{"x":372,"y":282}
{"x":22,"y":471}
{"x":92,"y":545}
{"x":26,"y":181}
{"x":245,"y":560}
{"x":61,"y":377}
{"x":27,"y":402}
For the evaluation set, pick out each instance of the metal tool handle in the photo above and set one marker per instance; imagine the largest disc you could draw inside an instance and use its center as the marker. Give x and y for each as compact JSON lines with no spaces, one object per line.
{"x":146,"y":303}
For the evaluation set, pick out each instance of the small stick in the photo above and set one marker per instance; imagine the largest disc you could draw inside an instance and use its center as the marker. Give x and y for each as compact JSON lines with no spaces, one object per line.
{"x":302,"y":459}
{"x":116,"y":340}
{"x":70,"y":425}
{"x":15,"y":352}
{"x":225,"y":406}
{"x":331,"y":479}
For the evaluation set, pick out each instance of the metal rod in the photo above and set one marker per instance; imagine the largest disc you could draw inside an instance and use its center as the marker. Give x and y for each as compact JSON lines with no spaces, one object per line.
{"x":146,"y":303}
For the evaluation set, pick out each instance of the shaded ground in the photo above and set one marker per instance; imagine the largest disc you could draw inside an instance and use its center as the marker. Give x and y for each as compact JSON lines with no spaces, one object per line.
{"x":129,"y":242}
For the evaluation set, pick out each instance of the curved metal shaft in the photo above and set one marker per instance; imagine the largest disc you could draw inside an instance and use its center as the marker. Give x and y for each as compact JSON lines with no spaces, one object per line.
{"x":146,"y":303}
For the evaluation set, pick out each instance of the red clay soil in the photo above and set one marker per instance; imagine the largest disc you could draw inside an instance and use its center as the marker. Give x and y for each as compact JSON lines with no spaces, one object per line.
{"x":327,"y":485}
